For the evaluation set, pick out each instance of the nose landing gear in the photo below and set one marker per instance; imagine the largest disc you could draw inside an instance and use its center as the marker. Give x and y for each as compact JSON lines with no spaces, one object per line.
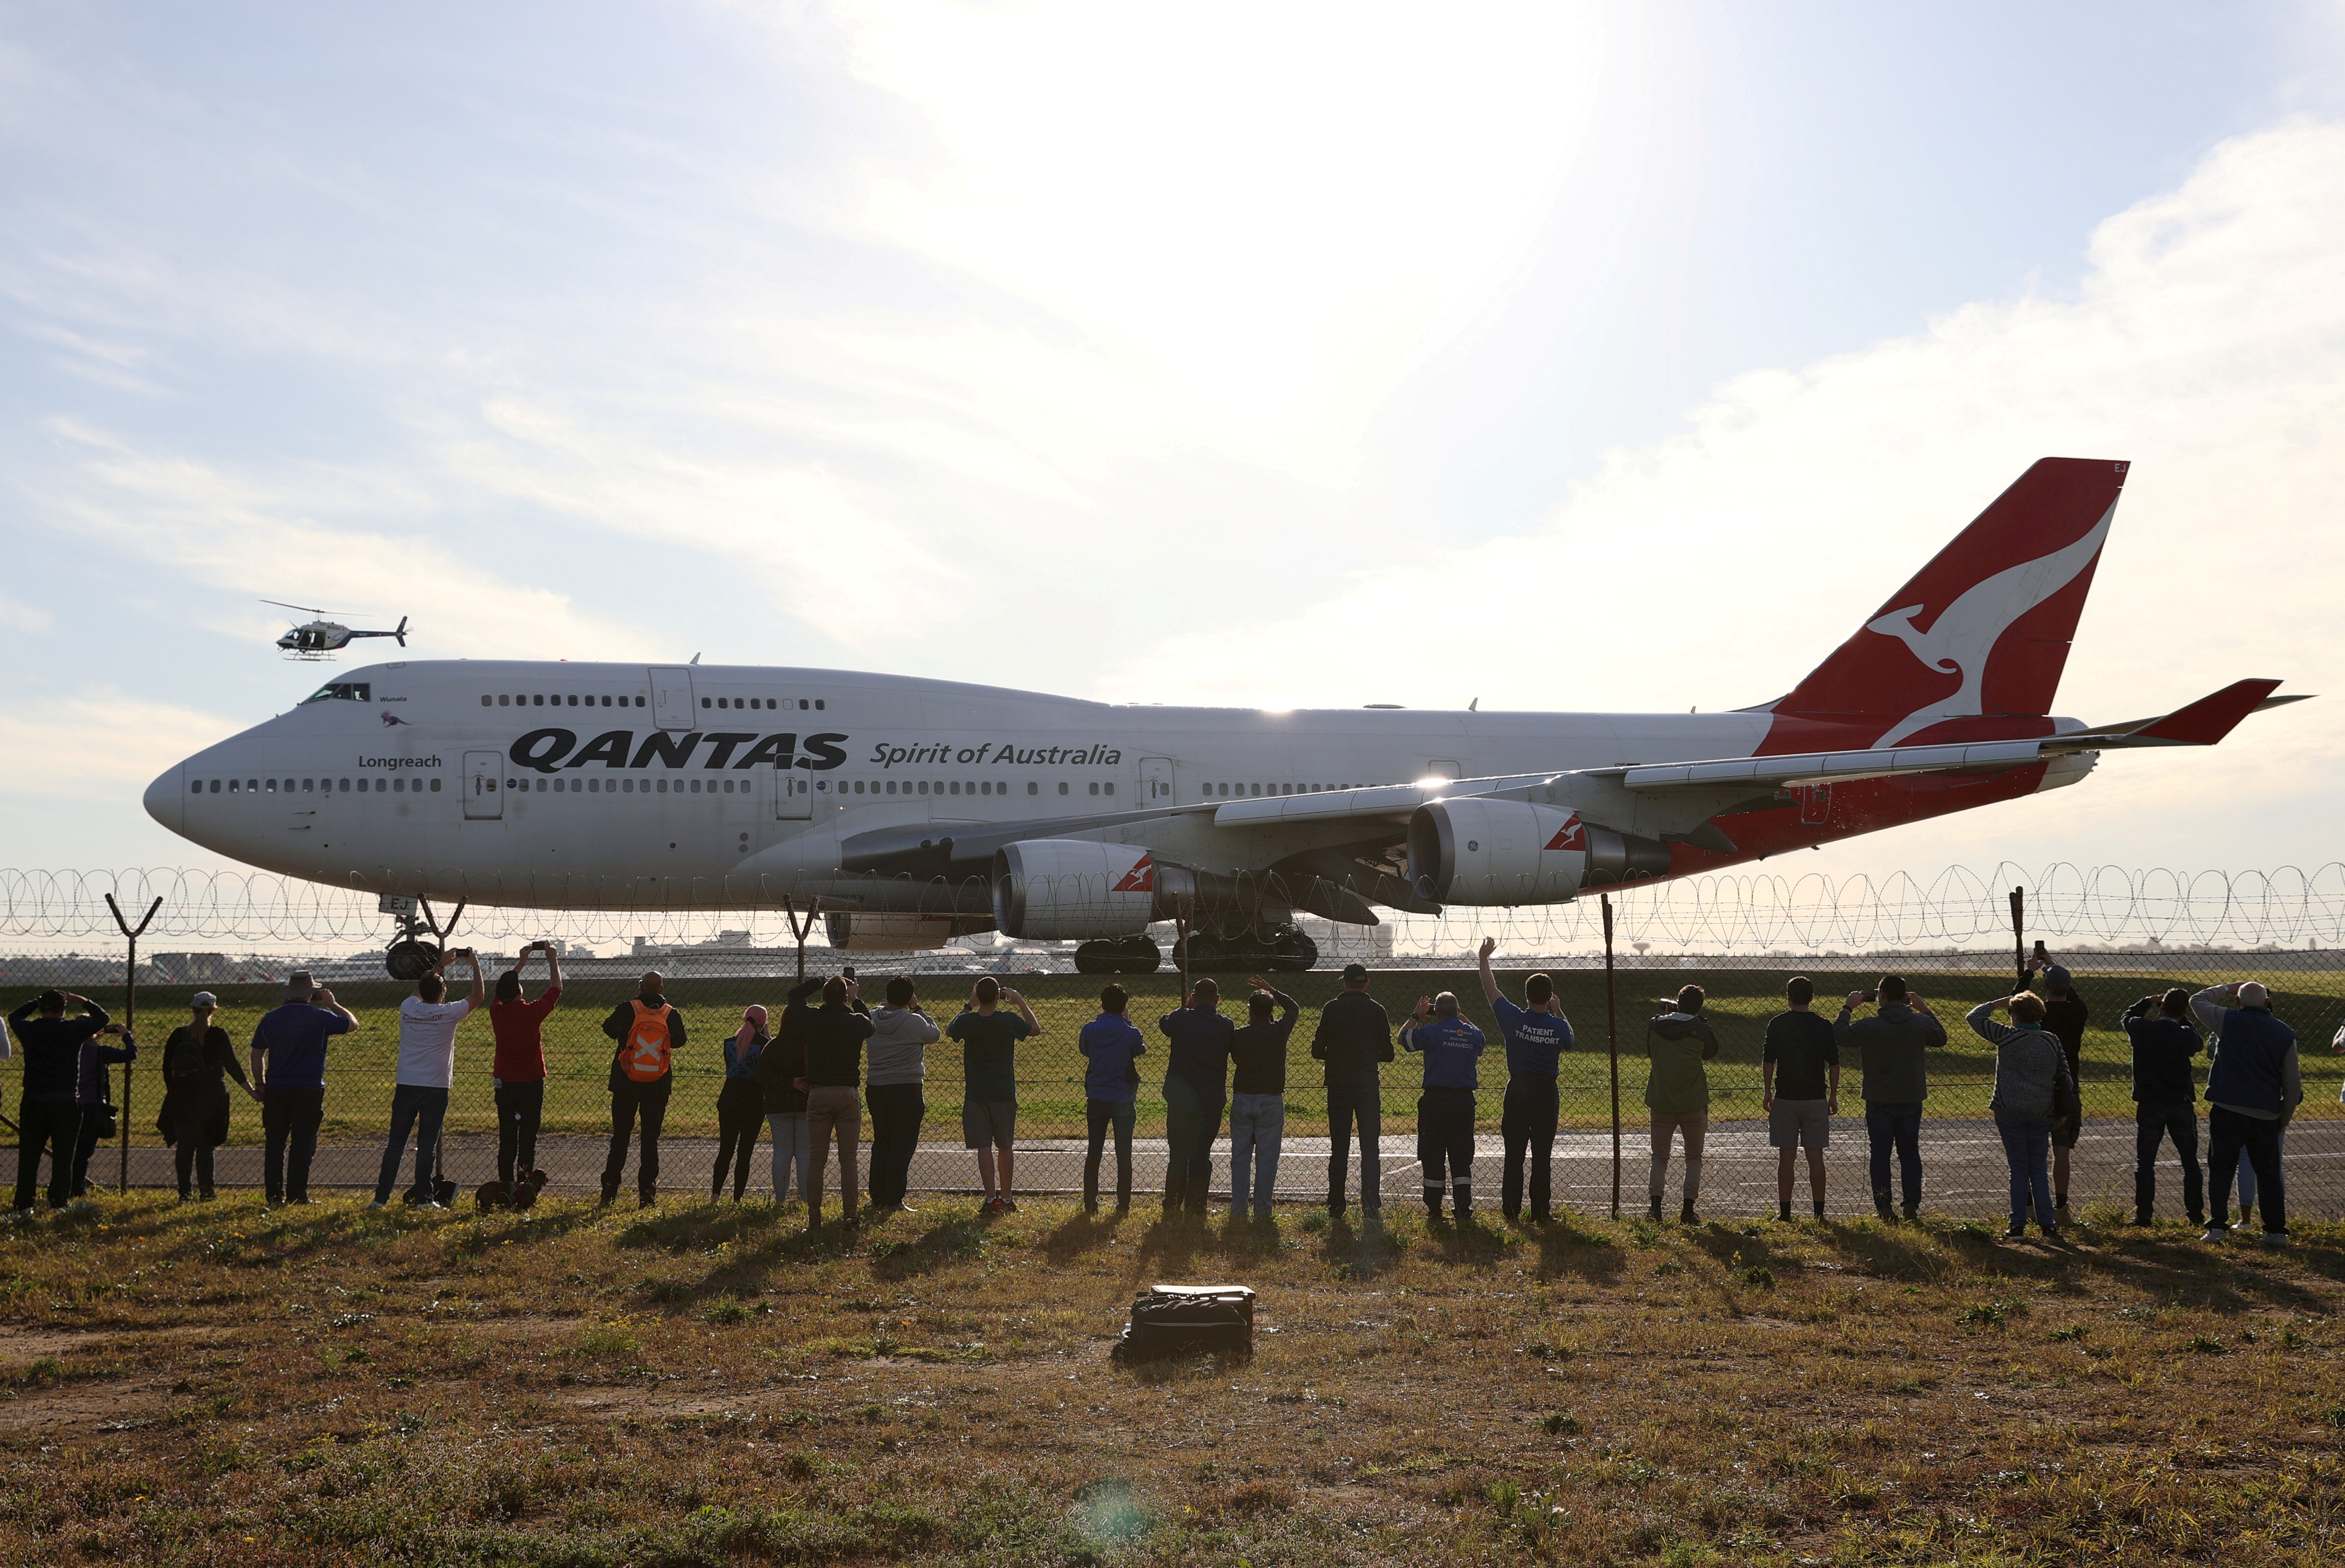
{"x":410,"y":958}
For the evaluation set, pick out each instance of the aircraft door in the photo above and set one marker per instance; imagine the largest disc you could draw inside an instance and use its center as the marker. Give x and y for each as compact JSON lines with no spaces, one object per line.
{"x":672,"y":704}
{"x":1156,"y":780}
{"x":484,"y":774}
{"x":793,"y":792}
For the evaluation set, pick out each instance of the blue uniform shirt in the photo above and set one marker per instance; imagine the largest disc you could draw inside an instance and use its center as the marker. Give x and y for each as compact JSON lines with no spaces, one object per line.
{"x":1534,"y":1040}
{"x":1108,"y":1044}
{"x":1451,"y":1047}
{"x":293,"y":1037}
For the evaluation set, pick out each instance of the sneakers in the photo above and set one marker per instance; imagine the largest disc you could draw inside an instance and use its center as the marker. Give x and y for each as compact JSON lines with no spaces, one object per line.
{"x":1913,"y":1212}
{"x":994,"y":1206}
{"x":2275,"y":1238}
{"x":2017,"y":1231}
{"x":2216,"y":1232}
{"x":378,"y":1203}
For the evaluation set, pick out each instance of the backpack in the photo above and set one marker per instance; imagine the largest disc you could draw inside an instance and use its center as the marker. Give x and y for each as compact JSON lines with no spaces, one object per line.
{"x":1190,"y":1319}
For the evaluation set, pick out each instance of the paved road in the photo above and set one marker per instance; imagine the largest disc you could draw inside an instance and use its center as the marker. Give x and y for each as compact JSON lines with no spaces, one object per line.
{"x":1962,"y":1161}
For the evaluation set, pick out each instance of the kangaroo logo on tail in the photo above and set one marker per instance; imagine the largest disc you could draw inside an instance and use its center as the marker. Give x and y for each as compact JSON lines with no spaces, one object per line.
{"x":1965,"y":633}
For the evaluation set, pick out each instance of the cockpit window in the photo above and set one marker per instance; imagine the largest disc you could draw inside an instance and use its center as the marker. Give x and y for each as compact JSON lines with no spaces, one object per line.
{"x":341,"y":692}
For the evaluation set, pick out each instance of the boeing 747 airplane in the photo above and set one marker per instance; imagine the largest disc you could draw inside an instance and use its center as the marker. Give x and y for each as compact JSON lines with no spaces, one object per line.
{"x":917,"y":810}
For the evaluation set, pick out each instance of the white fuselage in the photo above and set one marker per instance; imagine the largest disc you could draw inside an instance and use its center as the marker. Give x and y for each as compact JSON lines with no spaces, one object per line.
{"x":569,"y":785}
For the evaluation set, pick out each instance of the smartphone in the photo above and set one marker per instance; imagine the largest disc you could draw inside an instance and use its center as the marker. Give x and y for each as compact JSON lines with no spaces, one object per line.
{"x":1872,"y":996}
{"x":2040,"y":954}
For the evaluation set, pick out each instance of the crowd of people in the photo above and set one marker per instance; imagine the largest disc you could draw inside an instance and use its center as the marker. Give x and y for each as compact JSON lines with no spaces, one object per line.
{"x":808,"y":1078}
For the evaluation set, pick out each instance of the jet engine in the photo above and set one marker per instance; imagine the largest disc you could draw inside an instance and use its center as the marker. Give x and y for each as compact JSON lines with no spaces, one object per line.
{"x":1050,"y":889}
{"x":1503,"y":852}
{"x":888,"y":931}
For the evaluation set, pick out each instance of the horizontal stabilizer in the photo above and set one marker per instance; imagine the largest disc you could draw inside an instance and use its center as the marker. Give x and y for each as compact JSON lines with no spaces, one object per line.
{"x":2209,"y":719}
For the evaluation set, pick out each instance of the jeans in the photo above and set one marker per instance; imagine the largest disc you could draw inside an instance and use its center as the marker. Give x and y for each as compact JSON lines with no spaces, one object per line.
{"x":521,"y":1106}
{"x":1100,"y":1115}
{"x":629,"y":1100}
{"x":2153,"y":1124}
{"x":1257,"y":1124}
{"x":289,"y":1125}
{"x":1445,"y":1141}
{"x":53,"y":1125}
{"x":790,"y":1150}
{"x":740,"y":1111}
{"x":1897,"y":1122}
{"x":1355,"y":1098}
{"x":2246,"y":1172}
{"x":1190,"y":1121}
{"x":2230,"y":1134}
{"x":834,"y":1109}
{"x":412,"y":1104}
{"x":2027,"y":1146}
{"x":897,"y":1112}
{"x":1527,"y":1124}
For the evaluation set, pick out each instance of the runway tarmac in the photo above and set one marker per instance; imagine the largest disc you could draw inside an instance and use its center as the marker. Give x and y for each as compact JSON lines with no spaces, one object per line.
{"x":1961,"y":1159}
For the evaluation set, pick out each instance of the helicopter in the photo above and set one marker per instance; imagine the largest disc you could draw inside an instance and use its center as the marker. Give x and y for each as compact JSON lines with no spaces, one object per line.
{"x":321,"y":639}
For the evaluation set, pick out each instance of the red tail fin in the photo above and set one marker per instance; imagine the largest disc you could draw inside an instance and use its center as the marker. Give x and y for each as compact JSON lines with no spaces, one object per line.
{"x":1977,"y":640}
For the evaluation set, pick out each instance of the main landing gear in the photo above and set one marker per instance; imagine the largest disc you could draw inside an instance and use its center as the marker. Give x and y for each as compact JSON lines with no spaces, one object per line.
{"x":1118,"y":956}
{"x":1248,"y":950}
{"x":409,"y":956}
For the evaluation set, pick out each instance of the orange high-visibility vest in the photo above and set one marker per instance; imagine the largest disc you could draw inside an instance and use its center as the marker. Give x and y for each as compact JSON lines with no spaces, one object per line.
{"x":644,"y":1053}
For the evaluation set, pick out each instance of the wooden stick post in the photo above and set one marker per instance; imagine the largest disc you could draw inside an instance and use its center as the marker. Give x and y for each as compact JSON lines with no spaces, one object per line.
{"x":1612,"y":1044}
{"x":129,"y":1017}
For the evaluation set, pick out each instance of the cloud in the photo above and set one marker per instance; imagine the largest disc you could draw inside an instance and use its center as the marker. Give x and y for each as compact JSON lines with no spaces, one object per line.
{"x":2206,"y":345}
{"x":99,"y":741}
{"x":252,"y":538}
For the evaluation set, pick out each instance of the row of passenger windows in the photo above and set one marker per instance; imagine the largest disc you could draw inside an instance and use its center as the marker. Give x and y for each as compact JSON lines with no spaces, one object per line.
{"x":625,"y":785}
{"x":1217,"y":790}
{"x":573,"y":700}
{"x":398,"y":784}
{"x":941,"y":786}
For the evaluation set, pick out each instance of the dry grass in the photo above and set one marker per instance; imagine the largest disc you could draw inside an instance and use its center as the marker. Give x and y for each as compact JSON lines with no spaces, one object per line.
{"x":714,"y":1385}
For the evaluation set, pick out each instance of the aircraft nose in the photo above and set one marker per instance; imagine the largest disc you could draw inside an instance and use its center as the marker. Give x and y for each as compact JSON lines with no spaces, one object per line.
{"x":167,"y":798}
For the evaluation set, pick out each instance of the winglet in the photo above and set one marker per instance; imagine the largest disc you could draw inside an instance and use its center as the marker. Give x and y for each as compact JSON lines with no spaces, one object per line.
{"x":2209,"y":719}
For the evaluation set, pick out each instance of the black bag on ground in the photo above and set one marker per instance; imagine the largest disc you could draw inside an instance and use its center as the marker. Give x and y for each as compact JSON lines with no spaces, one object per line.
{"x":1190,"y":1319}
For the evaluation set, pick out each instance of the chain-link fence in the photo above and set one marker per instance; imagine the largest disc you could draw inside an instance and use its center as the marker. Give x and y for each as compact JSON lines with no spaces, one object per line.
{"x":2122,"y":939}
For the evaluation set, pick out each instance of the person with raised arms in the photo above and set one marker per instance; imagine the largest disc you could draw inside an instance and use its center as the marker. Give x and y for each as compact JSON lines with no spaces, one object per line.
{"x":988,"y":1062}
{"x":289,"y":1066}
{"x":1452,"y":1049}
{"x":517,"y":1070}
{"x":1677,"y":1094}
{"x":1258,"y":1097}
{"x":2254,"y":1084}
{"x":1112,"y":1046}
{"x":1536,"y":1034}
{"x":1196,"y":1088}
{"x":427,"y":1069}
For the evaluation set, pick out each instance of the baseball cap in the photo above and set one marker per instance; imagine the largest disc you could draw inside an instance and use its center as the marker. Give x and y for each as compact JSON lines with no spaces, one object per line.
{"x":1356,"y":972}
{"x":2056,"y":977}
{"x":297,"y":985}
{"x":2253,"y":995}
{"x":204,"y":1001}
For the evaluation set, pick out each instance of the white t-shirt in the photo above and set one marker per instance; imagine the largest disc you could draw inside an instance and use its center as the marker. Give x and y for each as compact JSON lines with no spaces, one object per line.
{"x":427,"y":1041}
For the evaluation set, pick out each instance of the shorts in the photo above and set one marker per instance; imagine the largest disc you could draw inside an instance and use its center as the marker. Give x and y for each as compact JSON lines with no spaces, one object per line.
{"x":2065,"y":1131}
{"x":1799,"y":1124}
{"x":987,"y":1122}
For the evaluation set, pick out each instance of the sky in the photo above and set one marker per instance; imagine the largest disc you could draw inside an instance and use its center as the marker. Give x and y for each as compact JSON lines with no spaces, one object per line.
{"x":1602,"y":357}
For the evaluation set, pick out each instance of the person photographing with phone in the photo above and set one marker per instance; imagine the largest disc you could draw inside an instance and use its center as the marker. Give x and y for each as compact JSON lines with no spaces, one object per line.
{"x":427,"y":1067}
{"x":518,"y":1071}
{"x":1891,"y":1048}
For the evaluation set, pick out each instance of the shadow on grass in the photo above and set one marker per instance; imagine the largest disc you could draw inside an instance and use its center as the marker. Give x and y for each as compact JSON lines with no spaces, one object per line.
{"x":1564,"y":1248}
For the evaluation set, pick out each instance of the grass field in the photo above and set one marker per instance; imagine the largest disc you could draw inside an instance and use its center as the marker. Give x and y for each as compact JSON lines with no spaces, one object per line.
{"x":1050,"y":1069}
{"x":715,"y":1386}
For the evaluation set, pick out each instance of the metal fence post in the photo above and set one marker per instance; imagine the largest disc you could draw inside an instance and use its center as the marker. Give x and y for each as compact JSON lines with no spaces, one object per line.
{"x":130,"y":1019}
{"x":1612,"y":1045}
